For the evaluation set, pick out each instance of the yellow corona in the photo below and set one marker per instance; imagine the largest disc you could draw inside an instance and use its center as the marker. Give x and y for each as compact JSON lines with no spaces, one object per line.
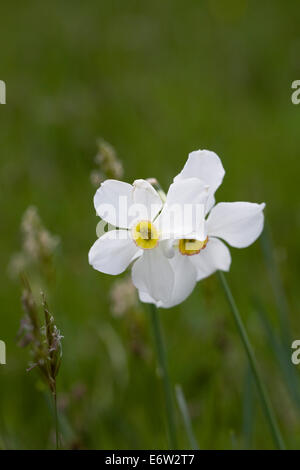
{"x":192,"y":246}
{"x":145,"y":235}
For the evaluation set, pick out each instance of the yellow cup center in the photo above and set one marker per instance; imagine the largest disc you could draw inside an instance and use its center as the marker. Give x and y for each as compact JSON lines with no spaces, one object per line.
{"x":190,"y":246}
{"x":145,"y":235}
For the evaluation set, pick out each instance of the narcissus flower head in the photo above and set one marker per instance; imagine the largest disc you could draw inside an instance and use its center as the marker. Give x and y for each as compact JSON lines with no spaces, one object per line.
{"x":142,"y":226}
{"x":237,"y":223}
{"x":176,"y":240}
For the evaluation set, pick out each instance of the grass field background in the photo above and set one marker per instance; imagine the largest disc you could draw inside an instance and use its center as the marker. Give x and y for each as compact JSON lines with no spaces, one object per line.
{"x":156,"y":80}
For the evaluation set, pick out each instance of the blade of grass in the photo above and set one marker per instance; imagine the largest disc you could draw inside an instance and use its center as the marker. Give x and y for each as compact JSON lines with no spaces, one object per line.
{"x":186,"y":417}
{"x":56,"y":420}
{"x":234,"y":441}
{"x":248,"y":408}
{"x":65,"y":431}
{"x":276,"y":284}
{"x":266,"y":404}
{"x":162,"y":361}
{"x":282,"y":354}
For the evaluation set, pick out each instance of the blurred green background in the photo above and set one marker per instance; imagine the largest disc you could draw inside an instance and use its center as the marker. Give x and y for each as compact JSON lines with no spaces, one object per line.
{"x":157,"y":80}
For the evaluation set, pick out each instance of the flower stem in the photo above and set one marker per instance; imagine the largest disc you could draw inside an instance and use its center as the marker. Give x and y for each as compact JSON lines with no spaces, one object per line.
{"x":186,"y":417}
{"x":162,"y":360}
{"x":260,"y":386}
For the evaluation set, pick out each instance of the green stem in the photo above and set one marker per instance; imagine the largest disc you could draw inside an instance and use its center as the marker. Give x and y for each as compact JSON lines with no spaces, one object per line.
{"x":260,"y":386}
{"x":162,"y":360}
{"x":186,"y":417}
{"x":56,"y":419}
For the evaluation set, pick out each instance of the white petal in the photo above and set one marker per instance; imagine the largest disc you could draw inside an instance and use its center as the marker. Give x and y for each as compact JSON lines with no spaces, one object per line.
{"x":112,"y":201}
{"x":147,"y":299}
{"x":147,"y":197}
{"x":167,"y":248}
{"x":188,"y":191}
{"x":184,"y":209}
{"x":185,"y":279}
{"x":238,"y":223}
{"x":113,"y":252}
{"x":207,"y":166}
{"x":213,"y":257}
{"x":122,"y":204}
{"x":152,"y":273}
{"x":184,"y":283}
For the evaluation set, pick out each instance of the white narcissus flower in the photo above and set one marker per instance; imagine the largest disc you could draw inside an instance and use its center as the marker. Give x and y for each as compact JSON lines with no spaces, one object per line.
{"x":144,"y":226}
{"x":237,"y":223}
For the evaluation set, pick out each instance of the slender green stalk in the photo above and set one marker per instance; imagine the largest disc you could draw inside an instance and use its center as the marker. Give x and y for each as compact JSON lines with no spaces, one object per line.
{"x":276,"y":284}
{"x":248,"y":408}
{"x":162,"y":360}
{"x":260,"y":386}
{"x":56,"y":419}
{"x":186,"y":417}
{"x":282,"y":354}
